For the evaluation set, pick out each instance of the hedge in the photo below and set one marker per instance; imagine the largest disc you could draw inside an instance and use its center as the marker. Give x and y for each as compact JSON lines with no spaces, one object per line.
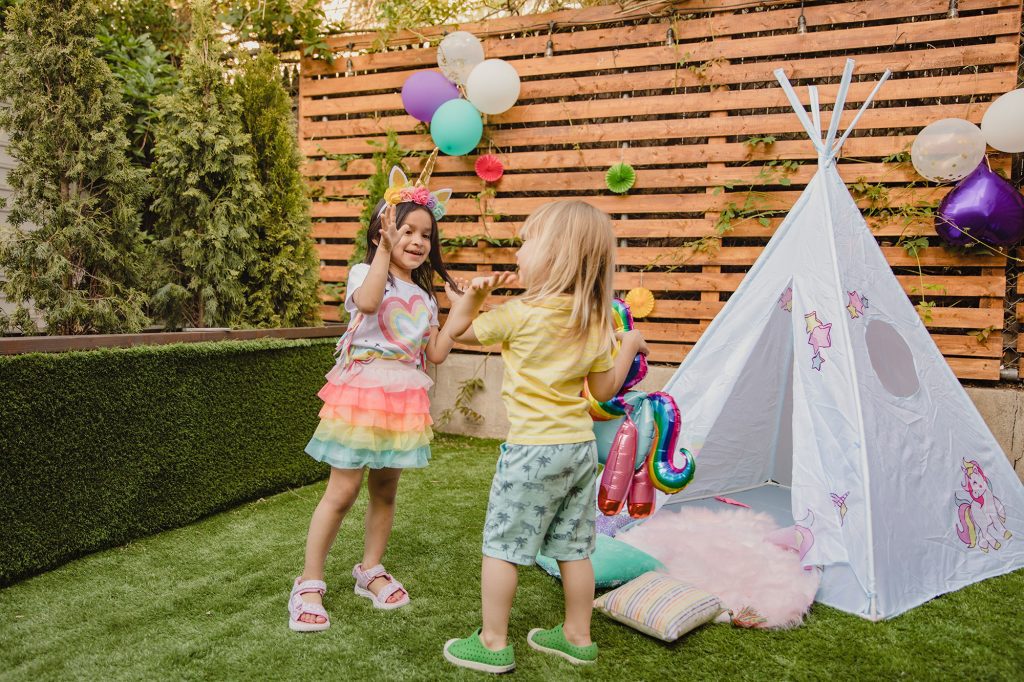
{"x":100,"y":447}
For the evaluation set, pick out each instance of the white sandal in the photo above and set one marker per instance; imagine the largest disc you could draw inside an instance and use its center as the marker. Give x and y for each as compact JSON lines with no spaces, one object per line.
{"x":298,"y":608}
{"x":380,"y":600}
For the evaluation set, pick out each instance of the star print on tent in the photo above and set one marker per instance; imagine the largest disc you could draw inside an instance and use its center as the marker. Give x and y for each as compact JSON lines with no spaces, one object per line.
{"x":817,"y":361}
{"x":821,"y":337}
{"x":856,"y":305}
{"x":786,"y":300}
{"x":812,"y":321}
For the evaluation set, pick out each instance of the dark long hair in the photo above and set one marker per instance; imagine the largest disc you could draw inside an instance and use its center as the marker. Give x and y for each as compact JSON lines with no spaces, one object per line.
{"x":423,"y":276}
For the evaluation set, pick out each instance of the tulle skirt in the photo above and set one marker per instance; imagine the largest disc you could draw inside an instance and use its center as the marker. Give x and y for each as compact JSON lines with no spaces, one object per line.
{"x":375,"y":414}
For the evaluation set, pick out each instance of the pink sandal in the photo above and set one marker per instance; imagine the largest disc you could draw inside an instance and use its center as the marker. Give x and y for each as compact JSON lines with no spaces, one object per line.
{"x":380,"y":600}
{"x":298,"y":608}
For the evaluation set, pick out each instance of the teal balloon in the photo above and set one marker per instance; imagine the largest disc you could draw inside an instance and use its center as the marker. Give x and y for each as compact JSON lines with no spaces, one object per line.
{"x":456,"y":127}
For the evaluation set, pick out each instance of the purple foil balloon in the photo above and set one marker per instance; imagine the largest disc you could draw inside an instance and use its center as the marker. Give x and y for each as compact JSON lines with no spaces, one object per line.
{"x":424,"y":92}
{"x":982,"y":207}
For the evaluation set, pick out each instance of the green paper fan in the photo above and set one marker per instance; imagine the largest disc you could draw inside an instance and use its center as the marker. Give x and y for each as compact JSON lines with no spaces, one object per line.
{"x":620,"y":178}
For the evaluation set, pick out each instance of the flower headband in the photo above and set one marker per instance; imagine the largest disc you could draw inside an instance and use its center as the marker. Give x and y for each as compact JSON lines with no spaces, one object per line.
{"x":400,"y":190}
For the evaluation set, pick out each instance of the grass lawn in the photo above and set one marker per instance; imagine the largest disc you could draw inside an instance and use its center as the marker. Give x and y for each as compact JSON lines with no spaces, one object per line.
{"x":208,"y":602}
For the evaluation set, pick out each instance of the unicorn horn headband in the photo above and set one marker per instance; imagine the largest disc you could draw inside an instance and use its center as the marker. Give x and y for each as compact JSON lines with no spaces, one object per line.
{"x":401,"y":190}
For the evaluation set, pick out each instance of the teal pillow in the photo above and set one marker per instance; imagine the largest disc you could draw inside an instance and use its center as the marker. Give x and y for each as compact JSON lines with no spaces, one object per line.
{"x":615,"y":562}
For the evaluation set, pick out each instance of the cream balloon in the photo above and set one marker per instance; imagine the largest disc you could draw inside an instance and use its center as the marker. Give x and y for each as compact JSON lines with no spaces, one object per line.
{"x":458,"y":54}
{"x":493,"y":86}
{"x":1003,"y":123}
{"x":948,"y":150}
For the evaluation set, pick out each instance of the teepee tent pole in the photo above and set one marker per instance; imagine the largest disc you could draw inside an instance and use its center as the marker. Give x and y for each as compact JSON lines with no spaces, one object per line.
{"x":837,"y":110}
{"x":816,"y":110}
{"x":853,"y":124}
{"x":794,"y":101}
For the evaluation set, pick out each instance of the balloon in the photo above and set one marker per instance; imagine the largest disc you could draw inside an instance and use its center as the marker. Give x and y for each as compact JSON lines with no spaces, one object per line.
{"x":948,"y":149}
{"x":641,"y":495}
{"x":982,"y":207}
{"x":493,"y":86}
{"x":458,"y":54}
{"x":618,"y":470}
{"x":425,"y":91}
{"x":1003,"y":123}
{"x":622,"y":320}
{"x":666,"y":475}
{"x":456,"y":127}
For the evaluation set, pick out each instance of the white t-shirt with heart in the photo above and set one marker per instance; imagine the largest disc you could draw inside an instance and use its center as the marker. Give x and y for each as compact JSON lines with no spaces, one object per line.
{"x":400,"y":328}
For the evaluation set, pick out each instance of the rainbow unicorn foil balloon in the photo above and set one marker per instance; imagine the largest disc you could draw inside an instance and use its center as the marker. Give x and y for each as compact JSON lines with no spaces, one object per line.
{"x":637,"y":434}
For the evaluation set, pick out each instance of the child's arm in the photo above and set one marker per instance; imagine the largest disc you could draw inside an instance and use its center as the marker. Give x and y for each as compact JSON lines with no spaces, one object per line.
{"x":458,"y":328}
{"x":604,"y":385}
{"x":370,"y":293}
{"x":439,"y":347}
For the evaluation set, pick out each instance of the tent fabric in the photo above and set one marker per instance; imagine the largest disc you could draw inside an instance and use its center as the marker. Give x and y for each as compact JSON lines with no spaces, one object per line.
{"x":819,"y":374}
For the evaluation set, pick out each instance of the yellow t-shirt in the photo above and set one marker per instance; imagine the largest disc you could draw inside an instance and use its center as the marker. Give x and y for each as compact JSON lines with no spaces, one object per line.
{"x":544,"y":372}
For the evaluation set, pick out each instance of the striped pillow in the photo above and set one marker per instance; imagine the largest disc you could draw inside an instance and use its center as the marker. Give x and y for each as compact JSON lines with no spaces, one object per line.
{"x":660,"y":606}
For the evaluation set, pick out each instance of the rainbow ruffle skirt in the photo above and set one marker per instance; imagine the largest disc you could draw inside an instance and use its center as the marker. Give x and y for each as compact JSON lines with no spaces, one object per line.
{"x":376,"y":414}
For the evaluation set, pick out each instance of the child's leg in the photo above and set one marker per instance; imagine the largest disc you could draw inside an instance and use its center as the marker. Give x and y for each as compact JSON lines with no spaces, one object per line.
{"x":578,"y":584}
{"x":382,"y":484}
{"x":342,"y":491}
{"x":498,"y":581}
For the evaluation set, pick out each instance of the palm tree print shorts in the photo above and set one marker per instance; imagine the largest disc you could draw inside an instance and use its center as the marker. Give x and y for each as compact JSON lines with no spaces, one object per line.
{"x":543,"y":499}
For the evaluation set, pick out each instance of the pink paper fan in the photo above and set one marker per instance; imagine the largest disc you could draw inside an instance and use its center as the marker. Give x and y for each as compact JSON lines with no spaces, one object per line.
{"x":489,"y":168}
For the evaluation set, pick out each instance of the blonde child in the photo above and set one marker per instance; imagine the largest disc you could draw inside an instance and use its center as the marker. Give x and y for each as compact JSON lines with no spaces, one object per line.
{"x":376,"y":413}
{"x":542,"y":497}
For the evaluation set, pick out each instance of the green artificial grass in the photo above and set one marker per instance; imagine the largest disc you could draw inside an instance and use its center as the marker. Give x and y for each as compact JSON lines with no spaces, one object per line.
{"x":101,"y":447}
{"x":208,"y":601}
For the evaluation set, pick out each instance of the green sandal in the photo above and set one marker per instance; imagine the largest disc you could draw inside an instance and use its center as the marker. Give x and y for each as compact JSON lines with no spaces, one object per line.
{"x":553,"y":641}
{"x":471,"y":653}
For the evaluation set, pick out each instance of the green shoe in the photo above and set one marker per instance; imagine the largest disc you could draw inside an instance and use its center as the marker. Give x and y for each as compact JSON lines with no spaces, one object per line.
{"x":553,"y":641}
{"x":471,"y":653}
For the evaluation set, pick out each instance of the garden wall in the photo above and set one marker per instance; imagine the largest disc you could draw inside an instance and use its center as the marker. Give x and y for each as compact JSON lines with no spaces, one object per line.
{"x":684,"y":92}
{"x":105,"y":446}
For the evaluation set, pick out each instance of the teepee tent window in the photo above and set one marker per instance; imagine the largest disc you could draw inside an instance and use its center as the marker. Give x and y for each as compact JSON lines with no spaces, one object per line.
{"x":819,"y":382}
{"x":892,"y":359}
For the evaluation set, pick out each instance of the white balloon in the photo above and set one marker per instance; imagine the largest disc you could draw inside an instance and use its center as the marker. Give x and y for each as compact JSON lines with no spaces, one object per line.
{"x":493,"y":86}
{"x":948,"y":150}
{"x":458,"y":54}
{"x":1003,"y":123}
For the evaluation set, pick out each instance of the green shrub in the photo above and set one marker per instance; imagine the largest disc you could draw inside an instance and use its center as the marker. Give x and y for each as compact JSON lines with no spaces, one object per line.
{"x":207,"y":197}
{"x":71,"y":248}
{"x":102,"y":447}
{"x":281,"y":281}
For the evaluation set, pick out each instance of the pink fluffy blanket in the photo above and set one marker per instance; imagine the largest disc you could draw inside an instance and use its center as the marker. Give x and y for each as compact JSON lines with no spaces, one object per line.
{"x":737,"y":555}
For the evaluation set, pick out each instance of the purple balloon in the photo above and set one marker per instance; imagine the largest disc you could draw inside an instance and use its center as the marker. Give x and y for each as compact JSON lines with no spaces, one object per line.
{"x":982,"y":207}
{"x":424,"y":92}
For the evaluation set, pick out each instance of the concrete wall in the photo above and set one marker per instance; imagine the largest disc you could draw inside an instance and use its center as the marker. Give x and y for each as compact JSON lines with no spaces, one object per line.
{"x":999,"y":405}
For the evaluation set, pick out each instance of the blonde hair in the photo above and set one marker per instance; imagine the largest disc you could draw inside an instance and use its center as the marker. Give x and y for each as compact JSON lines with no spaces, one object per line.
{"x":575,"y":246}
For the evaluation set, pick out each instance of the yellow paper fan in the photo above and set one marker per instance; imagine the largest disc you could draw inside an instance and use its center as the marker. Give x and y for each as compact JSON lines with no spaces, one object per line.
{"x":640,"y":302}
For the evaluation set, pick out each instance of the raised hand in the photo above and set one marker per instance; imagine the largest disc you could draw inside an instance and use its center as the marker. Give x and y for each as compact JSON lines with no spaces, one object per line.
{"x":389,"y":232}
{"x":635,"y":339}
{"x":482,"y":286}
{"x":456,"y":292}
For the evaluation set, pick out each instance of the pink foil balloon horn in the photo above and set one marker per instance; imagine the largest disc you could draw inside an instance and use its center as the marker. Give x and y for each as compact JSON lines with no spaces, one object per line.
{"x":618,"y":470}
{"x":641,"y":494}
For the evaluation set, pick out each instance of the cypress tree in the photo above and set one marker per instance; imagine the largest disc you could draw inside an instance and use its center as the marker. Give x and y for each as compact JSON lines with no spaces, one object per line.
{"x":207,"y":197}
{"x":71,"y":246}
{"x":281,"y":282}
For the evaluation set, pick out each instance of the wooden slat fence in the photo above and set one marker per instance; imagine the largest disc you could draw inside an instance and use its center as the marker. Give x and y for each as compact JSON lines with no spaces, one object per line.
{"x":679,"y":90}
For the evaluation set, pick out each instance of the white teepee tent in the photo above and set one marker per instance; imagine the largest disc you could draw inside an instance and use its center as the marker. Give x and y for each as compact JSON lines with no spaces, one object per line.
{"x":818,"y":390}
